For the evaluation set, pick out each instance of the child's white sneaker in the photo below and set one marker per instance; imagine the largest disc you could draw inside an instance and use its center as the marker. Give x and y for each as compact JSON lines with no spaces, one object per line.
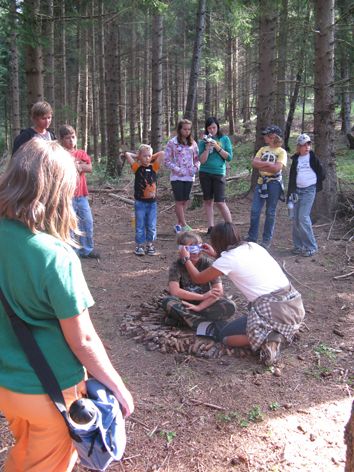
{"x":139,"y":251}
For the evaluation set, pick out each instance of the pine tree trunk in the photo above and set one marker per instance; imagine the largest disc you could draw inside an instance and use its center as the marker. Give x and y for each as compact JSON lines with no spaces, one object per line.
{"x":235,"y":77}
{"x":119,"y":92}
{"x":208,"y":87}
{"x":230,"y":98}
{"x":48,"y":32}
{"x":102,"y":88}
{"x":197,"y":54}
{"x":111,"y":59}
{"x":266,"y":73}
{"x":33,"y":57}
{"x":326,"y":201}
{"x":281,"y":66}
{"x":132,"y":72}
{"x":166,"y":95}
{"x":156,"y":79}
{"x":61,"y":95}
{"x":13,"y":75}
{"x":94,"y":89}
{"x":145,"y":111}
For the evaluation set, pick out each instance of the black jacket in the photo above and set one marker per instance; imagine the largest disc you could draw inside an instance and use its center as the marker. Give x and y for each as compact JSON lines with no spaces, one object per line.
{"x":26,"y":135}
{"x":315,"y":165}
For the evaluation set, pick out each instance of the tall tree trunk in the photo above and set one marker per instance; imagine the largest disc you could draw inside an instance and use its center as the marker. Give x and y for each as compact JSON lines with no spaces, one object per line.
{"x":102,"y":88}
{"x":111,"y":59}
{"x":266,"y":72}
{"x":61,"y":95}
{"x":48,"y":32}
{"x":298,"y":80}
{"x":145,"y":111}
{"x":94,"y":88}
{"x":156,"y":79}
{"x":326,"y":201}
{"x":166,"y":94}
{"x":345,"y":37}
{"x":132,"y":73}
{"x":119,"y":92}
{"x":197,"y":54}
{"x":235,"y":77}
{"x":230,"y":95}
{"x":281,"y":66}
{"x":13,"y":75}
{"x":208,"y":87}
{"x":34,"y":57}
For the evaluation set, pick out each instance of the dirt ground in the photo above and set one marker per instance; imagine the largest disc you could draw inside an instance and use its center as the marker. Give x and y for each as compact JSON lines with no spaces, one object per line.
{"x":229,"y":413}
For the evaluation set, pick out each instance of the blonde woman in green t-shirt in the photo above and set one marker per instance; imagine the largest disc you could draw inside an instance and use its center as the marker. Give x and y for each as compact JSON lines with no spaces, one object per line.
{"x":42,"y":280}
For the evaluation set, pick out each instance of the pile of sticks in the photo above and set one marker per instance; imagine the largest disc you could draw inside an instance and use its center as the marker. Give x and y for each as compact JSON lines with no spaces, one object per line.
{"x":147,"y":327}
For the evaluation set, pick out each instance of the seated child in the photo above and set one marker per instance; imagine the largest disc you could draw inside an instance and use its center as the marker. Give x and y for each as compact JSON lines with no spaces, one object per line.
{"x":145,"y":168}
{"x":68,"y":140}
{"x":190,"y":302}
{"x":41,"y":116}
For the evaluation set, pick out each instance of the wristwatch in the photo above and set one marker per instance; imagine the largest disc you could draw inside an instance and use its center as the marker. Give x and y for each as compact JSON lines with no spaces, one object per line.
{"x":185,"y":259}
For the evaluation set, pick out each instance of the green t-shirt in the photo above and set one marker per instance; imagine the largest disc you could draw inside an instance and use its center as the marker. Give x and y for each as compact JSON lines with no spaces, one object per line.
{"x":215,"y":164}
{"x":42,"y":279}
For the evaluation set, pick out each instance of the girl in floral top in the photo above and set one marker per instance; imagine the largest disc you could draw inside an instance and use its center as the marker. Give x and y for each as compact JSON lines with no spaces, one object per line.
{"x":181,"y":157}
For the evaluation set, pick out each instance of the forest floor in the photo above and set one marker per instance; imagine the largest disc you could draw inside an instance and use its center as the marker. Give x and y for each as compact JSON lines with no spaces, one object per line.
{"x":227,"y":413}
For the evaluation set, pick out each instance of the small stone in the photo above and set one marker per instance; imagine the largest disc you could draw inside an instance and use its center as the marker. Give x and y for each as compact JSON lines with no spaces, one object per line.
{"x":312,"y":437}
{"x":300,"y":428}
{"x":277,"y":372}
{"x":288,"y":406}
{"x":301,"y":358}
{"x":338,"y":332}
{"x":152,"y":346}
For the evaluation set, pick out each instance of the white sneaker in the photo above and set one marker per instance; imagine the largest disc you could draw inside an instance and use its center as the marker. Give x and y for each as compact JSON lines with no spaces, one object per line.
{"x":139,"y":251}
{"x":177,"y":229}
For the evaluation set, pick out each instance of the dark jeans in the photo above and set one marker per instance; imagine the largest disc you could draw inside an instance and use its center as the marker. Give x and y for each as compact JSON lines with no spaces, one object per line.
{"x":235,"y":327}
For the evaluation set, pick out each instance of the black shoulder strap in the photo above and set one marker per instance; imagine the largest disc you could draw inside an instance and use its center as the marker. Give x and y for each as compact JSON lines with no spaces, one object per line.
{"x":36,"y":359}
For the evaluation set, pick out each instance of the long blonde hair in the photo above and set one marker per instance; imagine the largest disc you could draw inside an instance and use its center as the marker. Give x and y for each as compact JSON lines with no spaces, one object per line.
{"x":37,"y":189}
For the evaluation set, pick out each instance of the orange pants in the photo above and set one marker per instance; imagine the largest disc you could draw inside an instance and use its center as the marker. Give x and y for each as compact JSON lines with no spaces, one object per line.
{"x":43,"y":443}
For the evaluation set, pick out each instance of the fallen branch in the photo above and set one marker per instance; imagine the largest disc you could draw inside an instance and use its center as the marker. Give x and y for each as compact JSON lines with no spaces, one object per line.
{"x":123,"y":199}
{"x":344,"y":275}
{"x":330,"y":229}
{"x":209,"y":405}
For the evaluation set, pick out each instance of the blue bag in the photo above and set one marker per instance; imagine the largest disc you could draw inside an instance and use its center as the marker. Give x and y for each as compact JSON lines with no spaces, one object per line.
{"x":103,"y":439}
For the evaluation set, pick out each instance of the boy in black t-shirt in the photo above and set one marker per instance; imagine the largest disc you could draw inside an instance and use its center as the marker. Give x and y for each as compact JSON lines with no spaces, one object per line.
{"x":145,"y":168}
{"x":41,"y":115}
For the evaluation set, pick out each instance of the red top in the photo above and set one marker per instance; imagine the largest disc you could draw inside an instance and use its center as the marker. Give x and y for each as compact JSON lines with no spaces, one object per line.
{"x":81,"y":187}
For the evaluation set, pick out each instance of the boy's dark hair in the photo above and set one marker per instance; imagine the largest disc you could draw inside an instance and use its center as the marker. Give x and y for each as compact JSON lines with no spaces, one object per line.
{"x":64,"y":130}
{"x":180,"y":124}
{"x":40,"y":109}
{"x":211,"y":120}
{"x":225,"y":236}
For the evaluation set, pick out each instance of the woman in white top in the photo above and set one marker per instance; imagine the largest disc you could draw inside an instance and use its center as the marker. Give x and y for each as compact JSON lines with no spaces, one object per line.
{"x":275,"y":307}
{"x":305,"y":179}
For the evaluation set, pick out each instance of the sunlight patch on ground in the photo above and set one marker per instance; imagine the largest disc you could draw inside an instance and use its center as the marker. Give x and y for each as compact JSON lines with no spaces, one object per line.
{"x":313,"y":439}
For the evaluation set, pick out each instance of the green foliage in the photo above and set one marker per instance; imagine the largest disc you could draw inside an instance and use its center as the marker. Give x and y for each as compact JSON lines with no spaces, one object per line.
{"x":255,"y":414}
{"x":227,"y":417}
{"x":325,"y":351}
{"x":274,"y":406}
{"x":345,"y":164}
{"x":168,"y":435}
